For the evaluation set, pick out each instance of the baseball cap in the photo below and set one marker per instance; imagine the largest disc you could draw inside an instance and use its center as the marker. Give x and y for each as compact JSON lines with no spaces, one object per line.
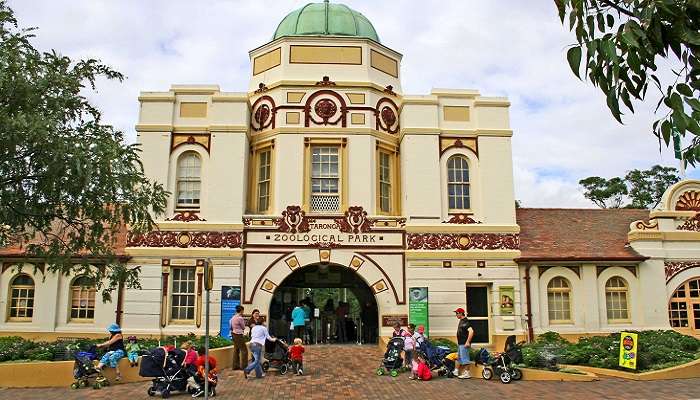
{"x":460,"y":310}
{"x":421,"y":329}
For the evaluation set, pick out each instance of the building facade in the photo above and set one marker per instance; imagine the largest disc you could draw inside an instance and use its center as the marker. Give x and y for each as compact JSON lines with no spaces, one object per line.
{"x":323,"y":173}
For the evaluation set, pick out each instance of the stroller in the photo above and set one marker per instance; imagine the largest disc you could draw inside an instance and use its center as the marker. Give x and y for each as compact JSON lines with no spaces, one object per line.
{"x":502,"y":364}
{"x":84,"y":369}
{"x":277,"y":356}
{"x":166,"y":369}
{"x":435,"y":356}
{"x":392,"y":361}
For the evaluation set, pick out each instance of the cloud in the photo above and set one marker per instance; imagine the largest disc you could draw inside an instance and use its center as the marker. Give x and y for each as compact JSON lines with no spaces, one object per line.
{"x":563,"y":131}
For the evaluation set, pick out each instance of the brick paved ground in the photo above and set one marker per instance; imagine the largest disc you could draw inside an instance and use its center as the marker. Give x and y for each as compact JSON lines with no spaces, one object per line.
{"x":348,"y":372}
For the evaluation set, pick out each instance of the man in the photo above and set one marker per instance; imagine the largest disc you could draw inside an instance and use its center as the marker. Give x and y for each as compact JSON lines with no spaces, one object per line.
{"x":299,"y":320}
{"x":240,"y":351}
{"x":465,"y":333}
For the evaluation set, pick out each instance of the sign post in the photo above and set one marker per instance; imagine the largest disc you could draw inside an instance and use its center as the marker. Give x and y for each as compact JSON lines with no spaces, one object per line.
{"x":208,"y":279}
{"x":418,"y":307}
{"x":628,"y":350}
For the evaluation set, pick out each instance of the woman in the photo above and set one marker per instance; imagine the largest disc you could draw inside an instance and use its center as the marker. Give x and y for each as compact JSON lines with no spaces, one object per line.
{"x":115,"y":350}
{"x":258,"y":335}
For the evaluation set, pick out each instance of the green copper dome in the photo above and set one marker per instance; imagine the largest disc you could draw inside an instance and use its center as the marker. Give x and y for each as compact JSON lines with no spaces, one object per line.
{"x":325,"y":19}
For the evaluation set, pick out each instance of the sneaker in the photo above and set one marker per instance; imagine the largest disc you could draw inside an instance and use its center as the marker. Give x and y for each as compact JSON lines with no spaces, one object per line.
{"x":301,"y":371}
{"x":245,"y":374}
{"x":455,"y":372}
{"x":198,"y":393}
{"x":464,"y":375}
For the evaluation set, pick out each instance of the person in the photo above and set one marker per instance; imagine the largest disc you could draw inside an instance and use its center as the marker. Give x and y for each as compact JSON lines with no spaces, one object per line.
{"x":369,"y":319}
{"x":132,"y":349}
{"x":398,"y":331}
{"x":341,"y":328}
{"x":296,"y":354}
{"x":200,"y":365}
{"x":190,"y":357}
{"x":327,"y":320}
{"x":240,"y":351}
{"x":115,"y":350}
{"x":465,"y":334}
{"x":307,"y":320}
{"x":298,"y":320}
{"x":409,"y":345}
{"x":423,"y":372}
{"x":258,"y":335}
{"x":419,"y":336}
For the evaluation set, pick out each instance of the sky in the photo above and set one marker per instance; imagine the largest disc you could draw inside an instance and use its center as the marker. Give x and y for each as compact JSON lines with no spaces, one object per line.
{"x":562,"y":129}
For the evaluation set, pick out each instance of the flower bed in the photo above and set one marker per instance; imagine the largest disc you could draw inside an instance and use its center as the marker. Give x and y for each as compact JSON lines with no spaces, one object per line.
{"x":656,"y":350}
{"x":15,"y":348}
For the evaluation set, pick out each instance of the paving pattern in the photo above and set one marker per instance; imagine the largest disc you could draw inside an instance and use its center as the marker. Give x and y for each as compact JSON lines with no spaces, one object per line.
{"x":348,"y":372}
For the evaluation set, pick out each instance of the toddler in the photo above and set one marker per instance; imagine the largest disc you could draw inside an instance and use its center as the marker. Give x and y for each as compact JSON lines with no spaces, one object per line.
{"x":423,"y":373}
{"x":296,"y":355}
{"x":409,"y":345}
{"x":132,"y":351}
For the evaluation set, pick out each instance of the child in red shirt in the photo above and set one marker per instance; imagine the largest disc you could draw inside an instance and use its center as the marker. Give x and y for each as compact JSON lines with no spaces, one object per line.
{"x":423,"y":372}
{"x":213,"y":373}
{"x":296,"y":355}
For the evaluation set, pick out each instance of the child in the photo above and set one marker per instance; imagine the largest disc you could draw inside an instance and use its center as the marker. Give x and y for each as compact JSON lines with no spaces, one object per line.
{"x":419,"y":336}
{"x":190,"y":357}
{"x":409,"y":345}
{"x":423,"y":371}
{"x":398,"y":332}
{"x":132,"y":351}
{"x":213,"y":373}
{"x":296,"y":355}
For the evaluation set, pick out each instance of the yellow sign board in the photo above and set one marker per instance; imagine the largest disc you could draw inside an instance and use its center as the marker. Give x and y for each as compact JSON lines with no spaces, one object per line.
{"x":628,"y":350}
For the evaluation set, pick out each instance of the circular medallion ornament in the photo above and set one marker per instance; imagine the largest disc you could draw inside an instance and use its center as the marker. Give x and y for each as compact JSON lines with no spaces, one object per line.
{"x":184,"y":239}
{"x":464,"y":241}
{"x":388,"y":116}
{"x":262,"y":114}
{"x":379,"y":286}
{"x":325,"y":108}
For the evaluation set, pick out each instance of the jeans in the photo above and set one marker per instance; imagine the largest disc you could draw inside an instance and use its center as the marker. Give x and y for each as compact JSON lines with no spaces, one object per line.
{"x":256,"y":348}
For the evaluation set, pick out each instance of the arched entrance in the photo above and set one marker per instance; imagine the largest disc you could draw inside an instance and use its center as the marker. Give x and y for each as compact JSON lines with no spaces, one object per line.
{"x":333,"y":291}
{"x":684,"y":307}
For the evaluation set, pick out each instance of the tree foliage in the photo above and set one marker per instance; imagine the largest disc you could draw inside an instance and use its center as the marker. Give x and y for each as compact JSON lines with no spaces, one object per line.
{"x":68,"y":184}
{"x":620,"y":43}
{"x":642,"y":188}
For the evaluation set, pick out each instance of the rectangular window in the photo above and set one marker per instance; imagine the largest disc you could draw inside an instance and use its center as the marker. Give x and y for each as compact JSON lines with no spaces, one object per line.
{"x":264,"y":181}
{"x":183,"y":294}
{"x":325,"y":178}
{"x":22,"y":302}
{"x":82,"y":303}
{"x":385,"y":182}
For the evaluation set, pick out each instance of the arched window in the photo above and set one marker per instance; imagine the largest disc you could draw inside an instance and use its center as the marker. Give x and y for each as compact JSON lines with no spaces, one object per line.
{"x":82,"y":299}
{"x":188,"y":180}
{"x":616,"y":299}
{"x":684,"y":307}
{"x":458,"y":183}
{"x":559,"y":300}
{"x":22,"y":298}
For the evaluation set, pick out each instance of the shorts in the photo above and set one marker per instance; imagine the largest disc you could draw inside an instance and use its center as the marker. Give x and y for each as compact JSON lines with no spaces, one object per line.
{"x":111,"y":358}
{"x":463,"y":354}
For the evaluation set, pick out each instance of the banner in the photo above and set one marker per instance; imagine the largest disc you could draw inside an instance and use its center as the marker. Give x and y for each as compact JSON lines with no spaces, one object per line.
{"x":628,"y":350}
{"x":230,"y":298}
{"x":507,"y":299}
{"x":418,"y":307}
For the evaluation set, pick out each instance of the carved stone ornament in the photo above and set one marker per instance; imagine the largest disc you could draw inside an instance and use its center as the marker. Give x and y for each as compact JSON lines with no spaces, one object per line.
{"x":326,"y":81}
{"x":693,"y":224}
{"x":645,"y":226}
{"x":326,"y":109}
{"x":262,"y":114}
{"x":449,"y":241}
{"x":293,"y":220}
{"x":261,"y":88}
{"x":388,"y":116}
{"x":324,"y":245}
{"x":689,"y":201}
{"x":354,"y":221}
{"x":461,"y":219}
{"x":389,"y":90}
{"x":672,"y":268}
{"x":185,"y":216}
{"x":186,"y":239}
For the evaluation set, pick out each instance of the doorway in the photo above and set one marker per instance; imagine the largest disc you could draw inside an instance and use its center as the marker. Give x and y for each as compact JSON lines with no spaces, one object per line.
{"x":341,"y":306}
{"x":478,"y":312}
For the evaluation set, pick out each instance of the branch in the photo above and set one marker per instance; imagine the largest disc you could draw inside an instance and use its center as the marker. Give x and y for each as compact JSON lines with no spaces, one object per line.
{"x":618,"y":8}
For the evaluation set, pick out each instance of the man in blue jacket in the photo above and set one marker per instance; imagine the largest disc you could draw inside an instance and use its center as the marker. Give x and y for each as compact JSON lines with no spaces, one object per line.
{"x":299,"y":320}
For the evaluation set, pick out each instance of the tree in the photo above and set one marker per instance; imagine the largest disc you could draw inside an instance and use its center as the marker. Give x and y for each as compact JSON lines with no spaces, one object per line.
{"x":69,"y":185}
{"x":644,"y":188}
{"x":623,"y":41}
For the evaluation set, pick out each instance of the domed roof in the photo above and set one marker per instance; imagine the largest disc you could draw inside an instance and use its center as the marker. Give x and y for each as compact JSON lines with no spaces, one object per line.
{"x":325,"y":19}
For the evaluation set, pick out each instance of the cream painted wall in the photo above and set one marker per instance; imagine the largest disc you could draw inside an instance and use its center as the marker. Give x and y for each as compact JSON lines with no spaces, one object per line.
{"x":420,"y":172}
{"x":289,"y":172}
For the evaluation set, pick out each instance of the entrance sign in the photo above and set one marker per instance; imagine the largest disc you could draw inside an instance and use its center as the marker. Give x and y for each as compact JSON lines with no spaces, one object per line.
{"x":628,"y":350}
{"x":418,"y":307}
{"x":507,"y":299}
{"x":230,"y":298}
{"x":390,"y":320}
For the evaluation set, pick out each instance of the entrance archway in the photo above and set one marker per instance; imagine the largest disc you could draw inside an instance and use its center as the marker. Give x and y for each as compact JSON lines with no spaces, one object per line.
{"x":333,"y":291}
{"x":684,"y":307}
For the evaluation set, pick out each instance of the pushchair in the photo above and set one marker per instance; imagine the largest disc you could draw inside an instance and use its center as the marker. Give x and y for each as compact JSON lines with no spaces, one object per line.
{"x":503,"y":364}
{"x":276,"y":356}
{"x":435,"y":356}
{"x":84,"y":369}
{"x":392,"y":361}
{"x":166,"y":369}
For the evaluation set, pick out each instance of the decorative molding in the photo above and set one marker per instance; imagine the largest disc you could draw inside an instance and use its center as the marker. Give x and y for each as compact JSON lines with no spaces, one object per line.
{"x":292,"y":262}
{"x":354,"y":221}
{"x":640,"y":225}
{"x":186,"y":216}
{"x":264,"y":114}
{"x":294,"y":220}
{"x":448,"y":241}
{"x":186,"y":239}
{"x":261,"y":88}
{"x":575,"y":268}
{"x":268,"y":286}
{"x":390,"y":90}
{"x":673,"y":268}
{"x":386,"y":115}
{"x":324,"y":245}
{"x":379,"y":286}
{"x":688,"y":201}
{"x":325,"y":108}
{"x":461,"y":219}
{"x":325,"y":81}
{"x":356,"y":263}
{"x":692,"y":224}
{"x":200,"y":139}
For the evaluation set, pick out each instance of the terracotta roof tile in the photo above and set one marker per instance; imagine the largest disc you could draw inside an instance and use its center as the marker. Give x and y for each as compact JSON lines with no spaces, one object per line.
{"x":19,"y":249}
{"x":577,"y":234}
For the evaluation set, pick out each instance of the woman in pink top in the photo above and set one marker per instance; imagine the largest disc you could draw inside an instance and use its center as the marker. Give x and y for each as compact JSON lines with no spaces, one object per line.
{"x":190,"y":356}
